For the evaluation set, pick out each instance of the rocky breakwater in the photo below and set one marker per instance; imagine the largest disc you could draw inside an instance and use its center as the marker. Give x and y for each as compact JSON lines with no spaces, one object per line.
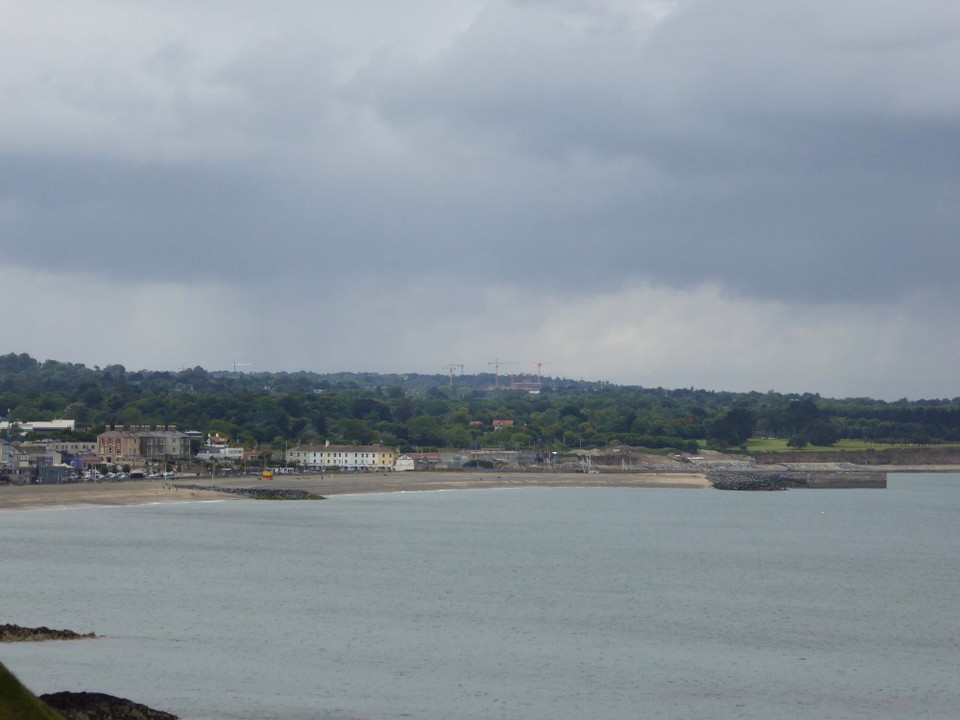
{"x":752,"y":480}
{"x":258,"y":493}
{"x":16,"y":633}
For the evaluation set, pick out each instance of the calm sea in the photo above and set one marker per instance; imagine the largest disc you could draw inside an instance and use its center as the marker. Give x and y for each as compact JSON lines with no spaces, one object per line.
{"x":555,"y":603}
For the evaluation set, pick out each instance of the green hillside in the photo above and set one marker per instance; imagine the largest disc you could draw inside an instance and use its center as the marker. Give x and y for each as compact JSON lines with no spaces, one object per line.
{"x":18,"y":703}
{"x":270,"y":412}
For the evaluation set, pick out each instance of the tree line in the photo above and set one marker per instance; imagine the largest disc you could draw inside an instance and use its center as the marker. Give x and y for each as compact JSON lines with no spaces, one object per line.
{"x":415,"y":411}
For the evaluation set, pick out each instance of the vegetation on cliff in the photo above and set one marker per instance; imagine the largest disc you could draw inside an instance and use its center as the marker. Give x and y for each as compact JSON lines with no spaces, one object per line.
{"x":18,"y":703}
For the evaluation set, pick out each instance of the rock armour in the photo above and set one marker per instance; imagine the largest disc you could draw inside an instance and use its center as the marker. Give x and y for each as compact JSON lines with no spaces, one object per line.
{"x":752,"y":481}
{"x":258,"y":493}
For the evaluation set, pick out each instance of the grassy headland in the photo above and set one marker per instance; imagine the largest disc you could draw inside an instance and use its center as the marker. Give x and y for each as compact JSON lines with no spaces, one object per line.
{"x":18,"y":703}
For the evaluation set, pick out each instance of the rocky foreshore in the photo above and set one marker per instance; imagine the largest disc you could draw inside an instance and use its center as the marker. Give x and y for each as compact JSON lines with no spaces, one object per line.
{"x":100,"y":706}
{"x":16,"y":633}
{"x":731,"y":480}
{"x":257,"y":493}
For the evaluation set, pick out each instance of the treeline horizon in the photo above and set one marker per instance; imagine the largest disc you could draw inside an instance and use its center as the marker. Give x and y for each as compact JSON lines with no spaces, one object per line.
{"x":414,"y":411}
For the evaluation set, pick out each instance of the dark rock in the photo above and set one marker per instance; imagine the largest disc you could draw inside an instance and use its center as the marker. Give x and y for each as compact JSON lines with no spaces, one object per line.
{"x":16,"y":633}
{"x":99,"y":706}
{"x":258,"y":493}
{"x":752,"y":480}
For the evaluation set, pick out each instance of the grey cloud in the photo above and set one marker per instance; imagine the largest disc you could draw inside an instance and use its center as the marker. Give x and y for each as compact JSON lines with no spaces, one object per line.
{"x":637,"y":191}
{"x":768,"y":149}
{"x":786,"y":151}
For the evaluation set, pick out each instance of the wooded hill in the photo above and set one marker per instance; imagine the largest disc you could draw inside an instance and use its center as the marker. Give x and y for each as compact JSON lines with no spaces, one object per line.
{"x":413,"y":411}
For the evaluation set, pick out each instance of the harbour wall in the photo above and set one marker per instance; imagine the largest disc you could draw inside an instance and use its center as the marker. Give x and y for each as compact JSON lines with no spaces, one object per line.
{"x":887,"y":456}
{"x":757,"y":479}
{"x":842,"y":479}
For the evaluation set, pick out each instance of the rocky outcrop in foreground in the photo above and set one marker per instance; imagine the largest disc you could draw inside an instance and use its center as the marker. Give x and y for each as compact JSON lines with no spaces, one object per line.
{"x":726,"y":480}
{"x":18,"y":703}
{"x":258,"y":493}
{"x":99,"y":706}
{"x":15,"y":633}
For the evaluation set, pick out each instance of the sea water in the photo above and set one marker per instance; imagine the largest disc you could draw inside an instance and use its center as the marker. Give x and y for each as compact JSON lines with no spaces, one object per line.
{"x":559,"y":603}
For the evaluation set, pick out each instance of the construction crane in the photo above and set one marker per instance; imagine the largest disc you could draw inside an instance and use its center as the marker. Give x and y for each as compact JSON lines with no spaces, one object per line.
{"x":239,"y":364}
{"x":450,"y":367}
{"x":529,"y":386}
{"x":540,"y":364}
{"x":497,"y":363}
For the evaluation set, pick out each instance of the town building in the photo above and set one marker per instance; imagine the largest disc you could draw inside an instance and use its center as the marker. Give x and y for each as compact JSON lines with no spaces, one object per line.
{"x":140,"y":444}
{"x":24,"y":462}
{"x":342,"y":457}
{"x":73,"y":447}
{"x":40,"y":426}
{"x":221,"y":453}
{"x":405,"y":463}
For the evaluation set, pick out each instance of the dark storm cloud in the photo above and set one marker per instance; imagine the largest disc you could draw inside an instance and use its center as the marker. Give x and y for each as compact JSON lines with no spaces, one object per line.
{"x":768,"y":149}
{"x":788,"y":152}
{"x":191,"y":222}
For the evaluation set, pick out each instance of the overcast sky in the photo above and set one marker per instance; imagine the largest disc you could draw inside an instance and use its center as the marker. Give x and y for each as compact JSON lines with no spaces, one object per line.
{"x":745,"y":195}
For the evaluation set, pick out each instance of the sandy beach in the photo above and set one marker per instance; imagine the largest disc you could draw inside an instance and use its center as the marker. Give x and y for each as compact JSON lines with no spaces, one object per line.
{"x":142,"y":492}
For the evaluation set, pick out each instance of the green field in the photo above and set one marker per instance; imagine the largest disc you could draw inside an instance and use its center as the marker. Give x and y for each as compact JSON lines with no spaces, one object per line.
{"x":770,"y":445}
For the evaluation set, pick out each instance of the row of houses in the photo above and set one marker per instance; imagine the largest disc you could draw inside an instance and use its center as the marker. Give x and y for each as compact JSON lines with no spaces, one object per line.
{"x":142,"y":446}
{"x":342,"y":457}
{"x":380,"y":458}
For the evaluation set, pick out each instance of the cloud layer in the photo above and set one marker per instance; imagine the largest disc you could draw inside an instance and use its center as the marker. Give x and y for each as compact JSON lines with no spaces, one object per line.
{"x":636,"y":189}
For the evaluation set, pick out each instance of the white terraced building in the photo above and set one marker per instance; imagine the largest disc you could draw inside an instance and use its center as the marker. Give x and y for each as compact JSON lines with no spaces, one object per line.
{"x":342,"y":457}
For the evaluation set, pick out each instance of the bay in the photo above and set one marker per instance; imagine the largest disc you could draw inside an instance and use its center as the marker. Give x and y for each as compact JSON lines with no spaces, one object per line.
{"x":524,"y":603}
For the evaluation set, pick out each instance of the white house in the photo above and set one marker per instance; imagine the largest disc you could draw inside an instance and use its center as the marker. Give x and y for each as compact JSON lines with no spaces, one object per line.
{"x":404,"y":463}
{"x":221,"y":453}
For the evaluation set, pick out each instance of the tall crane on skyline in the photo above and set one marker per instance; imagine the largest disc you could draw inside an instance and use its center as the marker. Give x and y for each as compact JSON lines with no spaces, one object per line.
{"x":497,"y":362}
{"x":451,"y":367}
{"x":239,"y":364}
{"x":540,"y":364}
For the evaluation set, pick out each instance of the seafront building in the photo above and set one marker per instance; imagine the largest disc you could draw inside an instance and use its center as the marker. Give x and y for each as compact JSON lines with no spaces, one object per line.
{"x":141,"y":443}
{"x":342,"y":457}
{"x":221,"y":453}
{"x":146,"y":447}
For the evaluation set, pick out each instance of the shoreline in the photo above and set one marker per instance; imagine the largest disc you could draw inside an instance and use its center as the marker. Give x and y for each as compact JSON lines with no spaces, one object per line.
{"x":93,"y":495}
{"x":148,"y":492}
{"x":160,"y":491}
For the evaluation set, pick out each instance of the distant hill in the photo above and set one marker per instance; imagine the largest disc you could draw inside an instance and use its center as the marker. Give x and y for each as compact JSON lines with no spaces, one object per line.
{"x":272,"y":411}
